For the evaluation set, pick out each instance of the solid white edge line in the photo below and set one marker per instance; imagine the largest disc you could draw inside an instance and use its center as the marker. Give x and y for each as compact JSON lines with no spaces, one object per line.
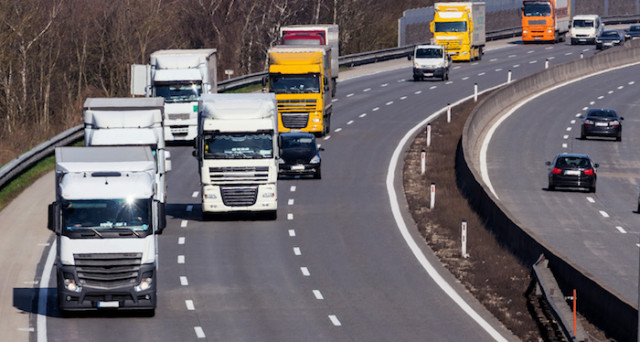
{"x":485,"y":144}
{"x":404,"y":231}
{"x":41,"y":325}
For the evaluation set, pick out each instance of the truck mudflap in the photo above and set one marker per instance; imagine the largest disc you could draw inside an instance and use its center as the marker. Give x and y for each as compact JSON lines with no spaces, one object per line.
{"x":76,"y":295}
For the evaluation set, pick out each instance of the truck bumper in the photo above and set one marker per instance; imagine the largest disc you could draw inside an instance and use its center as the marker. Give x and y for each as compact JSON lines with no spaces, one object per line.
{"x":87,"y":297}
{"x":425,"y":72}
{"x":180,"y":131}
{"x":239,"y":198}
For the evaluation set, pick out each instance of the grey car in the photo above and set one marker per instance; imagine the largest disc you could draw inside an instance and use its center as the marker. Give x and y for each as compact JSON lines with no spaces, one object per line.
{"x":572,"y":170}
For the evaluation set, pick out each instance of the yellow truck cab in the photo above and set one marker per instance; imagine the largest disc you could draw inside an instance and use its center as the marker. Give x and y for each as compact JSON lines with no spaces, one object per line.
{"x":300,"y":77}
{"x":460,"y":28}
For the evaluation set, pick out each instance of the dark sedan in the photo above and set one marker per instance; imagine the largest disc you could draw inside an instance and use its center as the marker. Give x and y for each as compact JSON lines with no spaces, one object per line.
{"x":300,"y":155}
{"x":609,"y":38}
{"x":632,"y":32}
{"x":601,"y":122}
{"x":572,"y":171}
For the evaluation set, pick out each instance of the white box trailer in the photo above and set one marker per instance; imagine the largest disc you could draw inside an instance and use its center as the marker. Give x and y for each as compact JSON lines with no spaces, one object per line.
{"x":126,"y":121}
{"x":237,"y":151}
{"x":105,"y":218}
{"x":322,"y":34}
{"x":180,"y":77}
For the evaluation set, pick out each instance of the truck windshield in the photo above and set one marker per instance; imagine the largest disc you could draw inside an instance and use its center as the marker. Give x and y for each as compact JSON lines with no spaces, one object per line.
{"x":536,"y":9}
{"x":178,"y":92}
{"x":238,"y":145}
{"x":451,"y":26}
{"x":106,"y":215}
{"x":294,"y":84}
{"x":428,"y":53}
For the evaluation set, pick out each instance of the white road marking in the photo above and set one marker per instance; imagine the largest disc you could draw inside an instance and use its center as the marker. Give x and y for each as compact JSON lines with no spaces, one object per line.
{"x":433,"y":87}
{"x":573,"y":121}
{"x":632,"y":82}
{"x":184,"y":281}
{"x":292,"y":232}
{"x":578,"y":115}
{"x":565,"y":145}
{"x":327,"y":137}
{"x":349,"y":95}
{"x":318,"y":294}
{"x":530,"y":51}
{"x":289,"y":216}
{"x":366,"y":90}
{"x":41,"y":327}
{"x":565,"y":137}
{"x":334,"y":100}
{"x":585,"y":108}
{"x":292,"y":188}
{"x":418,"y":92}
{"x":291,"y":201}
{"x":621,"y":230}
{"x":551,"y":58}
{"x":338,"y":130}
{"x":449,"y":82}
{"x":199,"y":332}
{"x":474,"y":63}
{"x":493,"y":59}
{"x":296,"y":251}
{"x":389,"y":103}
{"x":590,"y":199}
{"x":456,"y":67}
{"x":26,"y":329}
{"x":376,"y":109}
{"x":516,"y":65}
{"x":585,"y":50}
{"x":180,"y":259}
{"x":363,"y":115}
{"x":482,"y":74}
{"x":465,"y":78}
{"x":512,"y":56}
{"x":305,"y":271}
{"x":568,"y":54}
{"x":195,"y":194}
{"x":620,"y":87}
{"x":181,"y":240}
{"x":532,"y":62}
{"x":568,"y":129}
{"x":189,"y":208}
{"x":189,"y":304}
{"x":403,"y":98}
{"x":592,"y":103}
{"x":604,"y":214}
{"x":384,"y":84}
{"x":498,"y":70}
{"x":183,"y":224}
{"x":349,"y":122}
{"x":600,"y":97}
{"x":335,"y":321}
{"x":549,"y":48}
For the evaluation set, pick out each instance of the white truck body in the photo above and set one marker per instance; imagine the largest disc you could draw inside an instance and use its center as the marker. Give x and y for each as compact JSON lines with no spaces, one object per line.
{"x":180,"y":77}
{"x":106,"y":221}
{"x":130,"y":122}
{"x":329,"y":32}
{"x":238,"y":153}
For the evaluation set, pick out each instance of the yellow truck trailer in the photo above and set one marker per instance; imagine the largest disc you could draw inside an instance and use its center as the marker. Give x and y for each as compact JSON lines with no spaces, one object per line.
{"x":300,"y":76}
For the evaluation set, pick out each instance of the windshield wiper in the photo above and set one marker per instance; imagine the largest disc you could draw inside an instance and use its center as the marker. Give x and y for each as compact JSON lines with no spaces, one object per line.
{"x":129,"y":229}
{"x":95,"y":231}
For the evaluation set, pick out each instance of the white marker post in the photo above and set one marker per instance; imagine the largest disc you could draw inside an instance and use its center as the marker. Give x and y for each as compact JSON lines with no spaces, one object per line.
{"x":475,"y":92}
{"x":428,"y":135}
{"x":464,"y":239}
{"x":423,"y":161}
{"x":432,"y":199}
{"x":546,"y":63}
{"x":509,"y":77}
{"x":448,"y":112}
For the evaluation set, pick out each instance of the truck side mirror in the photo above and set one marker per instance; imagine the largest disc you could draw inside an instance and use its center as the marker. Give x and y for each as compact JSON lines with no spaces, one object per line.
{"x":409,"y":56}
{"x":52,"y":219}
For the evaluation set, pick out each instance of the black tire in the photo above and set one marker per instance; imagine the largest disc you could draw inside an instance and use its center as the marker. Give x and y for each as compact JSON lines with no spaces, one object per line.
{"x":619,"y":138}
{"x":551,"y":187}
{"x":592,"y":189}
{"x":327,"y":125}
{"x":416,"y":78}
{"x":317,"y":174}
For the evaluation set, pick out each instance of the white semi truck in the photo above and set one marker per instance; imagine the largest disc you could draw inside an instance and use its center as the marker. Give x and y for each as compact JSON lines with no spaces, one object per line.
{"x":106,"y":220}
{"x":129,"y":121}
{"x":180,"y":77}
{"x":237,"y":151}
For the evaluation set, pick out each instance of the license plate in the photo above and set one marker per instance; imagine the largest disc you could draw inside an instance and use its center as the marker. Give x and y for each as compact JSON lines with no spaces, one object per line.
{"x":297,"y":167}
{"x":601,"y":124}
{"x":113,"y":304}
{"x":572,"y":173}
{"x":428,"y":74}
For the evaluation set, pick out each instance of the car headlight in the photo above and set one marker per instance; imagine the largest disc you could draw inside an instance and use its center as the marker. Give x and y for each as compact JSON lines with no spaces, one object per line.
{"x":315,"y":160}
{"x":588,"y":122}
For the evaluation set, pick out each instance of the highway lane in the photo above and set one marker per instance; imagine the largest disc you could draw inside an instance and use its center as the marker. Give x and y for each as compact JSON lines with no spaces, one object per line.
{"x":333,"y":266}
{"x":599,"y":232}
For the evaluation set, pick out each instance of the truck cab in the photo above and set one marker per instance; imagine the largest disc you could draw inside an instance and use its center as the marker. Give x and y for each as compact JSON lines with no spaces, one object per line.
{"x":430,"y":61}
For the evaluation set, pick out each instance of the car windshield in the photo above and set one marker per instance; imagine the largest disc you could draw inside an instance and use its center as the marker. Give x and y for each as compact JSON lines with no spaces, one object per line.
{"x":178,"y":92}
{"x":573,"y":162}
{"x":610,"y":34}
{"x":294,"y":84}
{"x":307,"y":143}
{"x":634,"y":29}
{"x":582,"y":23}
{"x":106,"y":214}
{"x":238,"y":145}
{"x":537,"y":9}
{"x":428,"y":53}
{"x":602,"y":114}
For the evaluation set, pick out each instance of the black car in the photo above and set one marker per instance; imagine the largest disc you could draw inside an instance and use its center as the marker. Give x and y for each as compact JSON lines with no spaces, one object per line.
{"x":632,"y":32}
{"x":601,"y":122}
{"x":300,"y":155}
{"x":609,"y":38}
{"x":573,"y":171}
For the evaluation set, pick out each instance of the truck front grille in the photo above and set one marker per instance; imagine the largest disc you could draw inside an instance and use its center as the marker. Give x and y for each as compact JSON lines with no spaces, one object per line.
{"x":179,"y":116}
{"x":295,"y":120}
{"x":239,"y":174}
{"x":537,"y":22}
{"x":108,"y":270}
{"x":239,"y":196}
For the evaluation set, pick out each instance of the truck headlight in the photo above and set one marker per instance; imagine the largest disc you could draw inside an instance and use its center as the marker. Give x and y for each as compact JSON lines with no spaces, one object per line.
{"x":525,"y":31}
{"x":210,"y":196}
{"x":70,"y":285}
{"x":315,"y":120}
{"x":268,"y":195}
{"x":145,"y":284}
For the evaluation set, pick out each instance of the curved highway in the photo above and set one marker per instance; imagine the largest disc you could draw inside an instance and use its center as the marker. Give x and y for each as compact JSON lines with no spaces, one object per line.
{"x":597,"y":231}
{"x":334,"y":265}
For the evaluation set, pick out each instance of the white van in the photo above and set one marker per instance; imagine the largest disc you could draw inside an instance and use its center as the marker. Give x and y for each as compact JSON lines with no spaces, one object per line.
{"x":585,"y":28}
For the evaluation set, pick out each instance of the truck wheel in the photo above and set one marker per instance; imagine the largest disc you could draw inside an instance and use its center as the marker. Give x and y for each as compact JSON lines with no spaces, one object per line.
{"x":327,"y":125}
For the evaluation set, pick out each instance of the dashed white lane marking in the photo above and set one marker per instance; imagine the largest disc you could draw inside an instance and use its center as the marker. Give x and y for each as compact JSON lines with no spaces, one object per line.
{"x":474,"y":63}
{"x":363,"y":115}
{"x":565,"y":137}
{"x":551,"y":58}
{"x":292,"y":232}
{"x":290,"y":216}
{"x":493,"y":59}
{"x":498,"y":70}
{"x":292,"y":188}
{"x":585,"y":108}
{"x":389,"y":103}
{"x":349,"y":95}
{"x":620,"y":87}
{"x":516,"y":65}
{"x":318,"y":294}
{"x":338,"y":130}
{"x":592,"y":103}
{"x":403,"y":98}
{"x":402,"y":80}
{"x":585,"y":50}
{"x":482,"y":74}
{"x":433,"y":87}
{"x":305,"y":271}
{"x":291,"y":201}
{"x":610,"y":92}
{"x":573,"y":121}
{"x":565,"y":146}
{"x":184,"y":281}
{"x":465,"y":78}
{"x":27,"y":329}
{"x":181,"y":240}
{"x":549,"y":48}
{"x":418,"y":92}
{"x":384,"y":84}
{"x":530,"y":51}
{"x":532,"y":62}
{"x":568,"y":54}
{"x":637,"y":244}
{"x":632,"y":82}
{"x":184,"y":223}
{"x":621,"y":230}
{"x":296,"y":251}
{"x":189,"y":304}
{"x":449,"y":82}
{"x":349,"y":122}
{"x":195,"y":194}
{"x":375,"y":109}
{"x":600,"y":97}
{"x":590,"y":199}
{"x":327,"y":137}
{"x":456,"y":67}
{"x":568,"y":129}
{"x":578,"y":115}
{"x":334,"y":100}
{"x":366,"y":90}
{"x":604,"y":214}
{"x":189,"y":208}
{"x":181,"y":259}
{"x":512,"y":56}
{"x":335,"y":321}
{"x":199,"y":332}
